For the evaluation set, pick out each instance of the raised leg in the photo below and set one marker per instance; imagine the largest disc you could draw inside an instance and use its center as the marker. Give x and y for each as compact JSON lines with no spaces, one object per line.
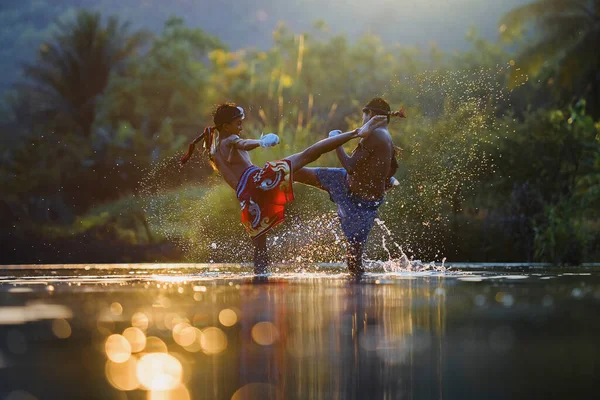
{"x":315,"y":151}
{"x":308,"y":176}
{"x":261,"y":258}
{"x":312,"y":153}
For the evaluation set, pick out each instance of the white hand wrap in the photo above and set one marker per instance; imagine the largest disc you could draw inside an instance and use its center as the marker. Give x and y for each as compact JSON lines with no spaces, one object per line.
{"x":268,"y":140}
{"x":335,"y":132}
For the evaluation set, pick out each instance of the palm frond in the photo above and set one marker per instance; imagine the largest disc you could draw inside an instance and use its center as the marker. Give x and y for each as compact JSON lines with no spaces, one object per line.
{"x":73,"y":68}
{"x":518,"y":20}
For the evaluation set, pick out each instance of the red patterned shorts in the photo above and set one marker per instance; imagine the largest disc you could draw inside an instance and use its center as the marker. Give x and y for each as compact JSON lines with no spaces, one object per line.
{"x":263,"y":193}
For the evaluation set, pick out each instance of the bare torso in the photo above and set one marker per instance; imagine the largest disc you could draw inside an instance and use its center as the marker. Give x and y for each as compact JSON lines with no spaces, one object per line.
{"x":369,"y":179}
{"x":230,"y":161}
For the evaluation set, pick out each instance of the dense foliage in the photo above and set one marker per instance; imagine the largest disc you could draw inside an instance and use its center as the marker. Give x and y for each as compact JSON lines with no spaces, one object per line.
{"x":499,"y":162}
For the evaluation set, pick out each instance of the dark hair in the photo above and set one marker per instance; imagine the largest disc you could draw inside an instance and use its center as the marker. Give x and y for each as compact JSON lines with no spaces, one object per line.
{"x":225,"y":113}
{"x":379,"y":106}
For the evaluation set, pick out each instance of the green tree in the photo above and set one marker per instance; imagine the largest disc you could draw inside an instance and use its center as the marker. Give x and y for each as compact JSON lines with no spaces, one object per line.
{"x":160,"y":103}
{"x":64,"y":84}
{"x":562,"y":47}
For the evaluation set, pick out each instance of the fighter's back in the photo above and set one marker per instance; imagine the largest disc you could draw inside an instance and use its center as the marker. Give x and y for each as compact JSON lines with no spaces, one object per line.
{"x":370,"y":177}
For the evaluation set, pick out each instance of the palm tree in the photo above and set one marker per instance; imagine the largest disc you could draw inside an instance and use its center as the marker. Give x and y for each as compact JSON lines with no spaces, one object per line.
{"x":73,"y":68}
{"x":565,"y":50}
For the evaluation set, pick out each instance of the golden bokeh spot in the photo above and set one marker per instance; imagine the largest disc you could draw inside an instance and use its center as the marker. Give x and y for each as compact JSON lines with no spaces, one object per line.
{"x":502,"y":28}
{"x":172,"y":319}
{"x":136,"y":338}
{"x":184,"y":334}
{"x":227,"y":317}
{"x":140,"y":320}
{"x":117,"y":348}
{"x":265,"y":333}
{"x":61,"y":328}
{"x":122,"y":376}
{"x":512,"y":63}
{"x":116,"y":308}
{"x":196,"y":345}
{"x":213,"y":340}
{"x":179,"y":393}
{"x":155,"y":345}
{"x":159,"y":371}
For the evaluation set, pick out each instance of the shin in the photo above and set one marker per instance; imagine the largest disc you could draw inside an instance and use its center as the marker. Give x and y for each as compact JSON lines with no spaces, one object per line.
{"x":261,"y":258}
{"x":354,"y":257}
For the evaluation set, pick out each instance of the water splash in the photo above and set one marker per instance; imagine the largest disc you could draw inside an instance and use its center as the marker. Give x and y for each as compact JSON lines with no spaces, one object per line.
{"x":450,"y":140}
{"x":402,"y":263}
{"x":447,"y":144}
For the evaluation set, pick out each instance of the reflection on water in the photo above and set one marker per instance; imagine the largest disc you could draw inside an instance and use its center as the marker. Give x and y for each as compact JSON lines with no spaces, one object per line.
{"x":168,"y":334}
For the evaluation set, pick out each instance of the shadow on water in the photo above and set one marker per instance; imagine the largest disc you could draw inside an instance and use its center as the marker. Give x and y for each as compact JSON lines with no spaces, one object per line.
{"x":193,"y":332}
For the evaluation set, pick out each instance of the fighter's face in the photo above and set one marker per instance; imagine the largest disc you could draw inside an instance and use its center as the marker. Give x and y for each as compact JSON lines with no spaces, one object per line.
{"x":235,"y":126}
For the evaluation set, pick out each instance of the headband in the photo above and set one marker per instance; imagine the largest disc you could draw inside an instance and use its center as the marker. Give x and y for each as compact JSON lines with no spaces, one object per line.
{"x":377,"y":110}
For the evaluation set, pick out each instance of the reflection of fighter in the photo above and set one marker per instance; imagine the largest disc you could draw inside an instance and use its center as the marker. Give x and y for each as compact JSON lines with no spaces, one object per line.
{"x":263,"y":192}
{"x":359,"y":187}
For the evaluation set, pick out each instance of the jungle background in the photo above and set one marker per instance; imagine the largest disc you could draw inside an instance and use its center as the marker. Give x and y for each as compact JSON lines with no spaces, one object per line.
{"x":500,"y":157}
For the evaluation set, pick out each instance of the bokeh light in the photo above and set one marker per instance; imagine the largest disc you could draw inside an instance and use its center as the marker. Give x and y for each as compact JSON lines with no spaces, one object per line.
{"x":155,"y":345}
{"x":227,"y":317}
{"x":196,"y":345}
{"x":184,"y":334}
{"x":213,"y":340}
{"x":172,"y":319}
{"x":265,"y":333}
{"x":61,"y":328}
{"x":136,"y":338}
{"x":140,"y":320}
{"x":116,"y":308}
{"x":159,"y":371}
{"x":179,"y":393}
{"x":123,"y":376}
{"x":117,"y":348}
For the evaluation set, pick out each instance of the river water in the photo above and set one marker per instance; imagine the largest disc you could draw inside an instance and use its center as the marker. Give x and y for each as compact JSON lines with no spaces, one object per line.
{"x":192,"y":331}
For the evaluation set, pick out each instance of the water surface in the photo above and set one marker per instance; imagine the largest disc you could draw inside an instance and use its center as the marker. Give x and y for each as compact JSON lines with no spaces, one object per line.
{"x":183,"y":331}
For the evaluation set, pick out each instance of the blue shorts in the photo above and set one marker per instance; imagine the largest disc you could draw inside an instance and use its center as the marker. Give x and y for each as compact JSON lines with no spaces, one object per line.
{"x":357,"y":216}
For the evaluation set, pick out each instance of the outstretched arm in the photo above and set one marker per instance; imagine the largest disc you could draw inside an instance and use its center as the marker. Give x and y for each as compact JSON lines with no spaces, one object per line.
{"x":236,"y":142}
{"x":268,"y":140}
{"x":245,"y":144}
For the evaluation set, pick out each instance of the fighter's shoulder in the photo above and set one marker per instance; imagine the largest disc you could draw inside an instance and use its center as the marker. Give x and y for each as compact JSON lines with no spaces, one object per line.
{"x":380,"y":137}
{"x":229,"y":140}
